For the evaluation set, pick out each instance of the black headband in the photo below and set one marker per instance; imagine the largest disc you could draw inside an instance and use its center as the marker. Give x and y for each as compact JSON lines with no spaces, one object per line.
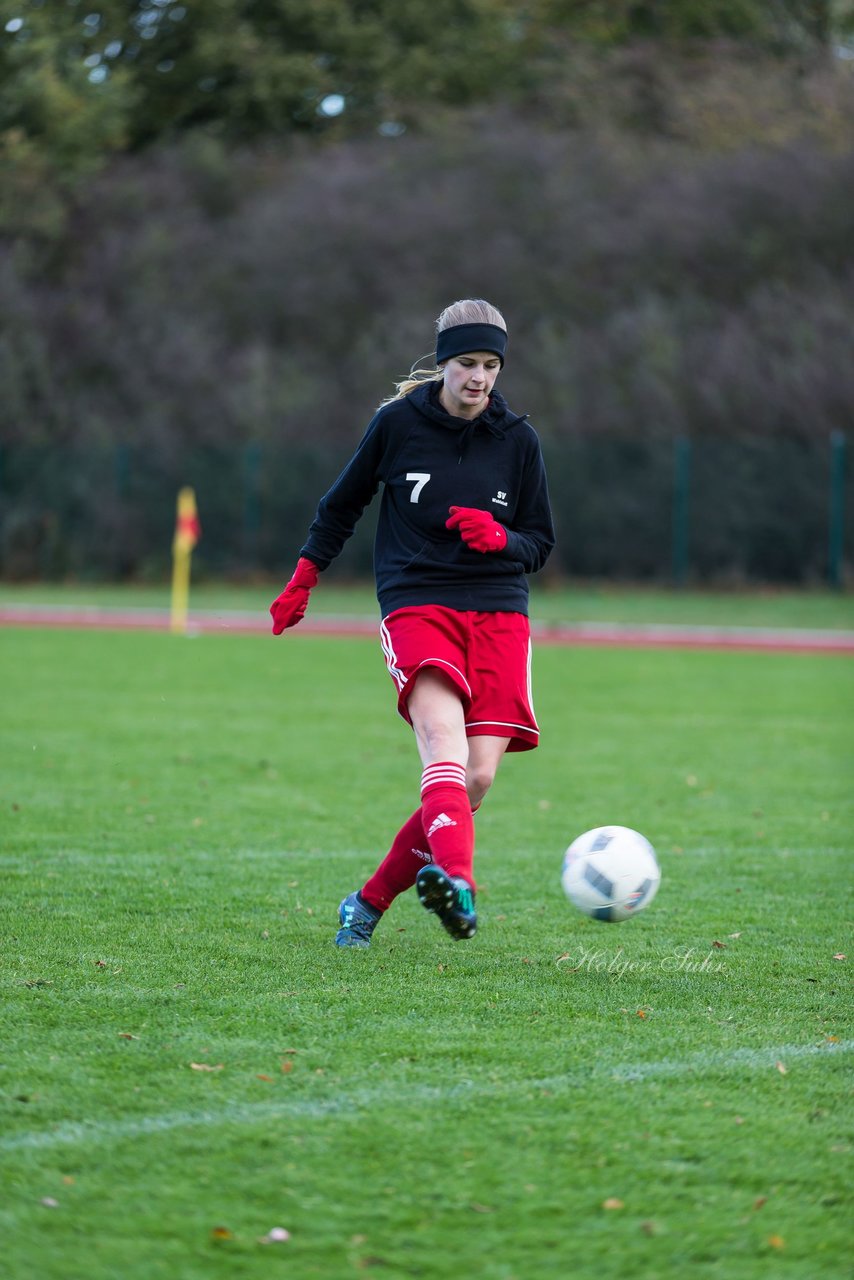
{"x":462,"y":338}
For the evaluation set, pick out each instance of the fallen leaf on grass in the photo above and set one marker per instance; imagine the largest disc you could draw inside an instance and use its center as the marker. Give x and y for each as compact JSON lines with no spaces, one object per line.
{"x":205,"y":1066}
{"x":759,"y":1201}
{"x":777,"y":1242}
{"x":650,"y":1228}
{"x":287,"y":1066}
{"x":269,"y":1079}
{"x":781,"y":1068}
{"x":734,"y":935}
{"x":721,"y":946}
{"x":49,"y":1203}
{"x":840,"y":956}
{"x":613,"y":1203}
{"x":126,"y":1035}
{"x":221,"y":1233}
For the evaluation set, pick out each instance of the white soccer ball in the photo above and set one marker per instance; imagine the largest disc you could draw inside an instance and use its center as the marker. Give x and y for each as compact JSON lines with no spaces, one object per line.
{"x":610,"y":873}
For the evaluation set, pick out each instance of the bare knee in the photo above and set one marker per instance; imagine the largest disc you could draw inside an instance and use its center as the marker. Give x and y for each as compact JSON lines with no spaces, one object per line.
{"x":440,"y":738}
{"x":479,"y":778}
{"x":485,"y":755}
{"x":436,"y":712}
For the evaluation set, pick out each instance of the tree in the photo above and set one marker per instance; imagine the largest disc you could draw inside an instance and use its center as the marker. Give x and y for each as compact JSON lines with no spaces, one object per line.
{"x":80,"y":84}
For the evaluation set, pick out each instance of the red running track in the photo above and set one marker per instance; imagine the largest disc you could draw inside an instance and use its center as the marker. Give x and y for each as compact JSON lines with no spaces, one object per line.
{"x":620,"y":635}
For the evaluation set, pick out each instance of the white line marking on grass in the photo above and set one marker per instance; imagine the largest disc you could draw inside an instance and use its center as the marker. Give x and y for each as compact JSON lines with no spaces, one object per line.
{"x":722,"y":1060}
{"x":247,"y":1113}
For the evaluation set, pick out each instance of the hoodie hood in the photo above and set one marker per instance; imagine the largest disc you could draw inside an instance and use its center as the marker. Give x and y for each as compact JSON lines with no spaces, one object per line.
{"x":497,"y":418}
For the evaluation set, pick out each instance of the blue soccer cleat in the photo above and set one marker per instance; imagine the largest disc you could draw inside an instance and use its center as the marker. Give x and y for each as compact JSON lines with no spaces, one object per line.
{"x":451,"y":898}
{"x":358,"y":920}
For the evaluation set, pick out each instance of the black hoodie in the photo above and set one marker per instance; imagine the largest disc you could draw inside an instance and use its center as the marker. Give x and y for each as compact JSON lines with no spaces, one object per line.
{"x":428,"y":461}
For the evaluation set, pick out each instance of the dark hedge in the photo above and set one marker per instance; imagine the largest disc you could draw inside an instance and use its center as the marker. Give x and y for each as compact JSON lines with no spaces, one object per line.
{"x":231,"y":319}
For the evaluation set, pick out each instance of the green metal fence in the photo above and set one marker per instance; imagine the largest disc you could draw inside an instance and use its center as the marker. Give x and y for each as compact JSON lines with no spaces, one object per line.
{"x":686,"y":511}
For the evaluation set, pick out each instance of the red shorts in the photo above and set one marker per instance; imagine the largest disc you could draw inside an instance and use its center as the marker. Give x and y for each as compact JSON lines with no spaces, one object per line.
{"x":487,"y":656}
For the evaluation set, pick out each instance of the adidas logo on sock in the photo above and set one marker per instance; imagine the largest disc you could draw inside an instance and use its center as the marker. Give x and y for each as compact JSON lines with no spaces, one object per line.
{"x":422,"y":854}
{"x":441,"y":821}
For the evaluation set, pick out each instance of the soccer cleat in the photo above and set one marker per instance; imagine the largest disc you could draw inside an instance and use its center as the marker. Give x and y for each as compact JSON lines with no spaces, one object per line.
{"x":450,"y":898}
{"x":358,"y":921}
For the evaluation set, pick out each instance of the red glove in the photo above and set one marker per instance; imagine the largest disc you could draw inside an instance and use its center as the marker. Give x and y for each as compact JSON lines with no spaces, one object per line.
{"x":478,"y":529}
{"x":289,"y":608}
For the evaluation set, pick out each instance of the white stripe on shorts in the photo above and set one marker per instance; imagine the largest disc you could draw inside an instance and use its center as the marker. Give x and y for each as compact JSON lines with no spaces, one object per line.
{"x":502,"y":724}
{"x":391,"y":657}
{"x":531,"y":687}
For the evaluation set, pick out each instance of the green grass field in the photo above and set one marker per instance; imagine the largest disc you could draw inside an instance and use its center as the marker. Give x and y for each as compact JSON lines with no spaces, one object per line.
{"x":188,"y":1062}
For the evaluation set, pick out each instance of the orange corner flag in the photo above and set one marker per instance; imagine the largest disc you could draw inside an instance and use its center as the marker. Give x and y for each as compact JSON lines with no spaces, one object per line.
{"x":187,"y":533}
{"x":187,"y":527}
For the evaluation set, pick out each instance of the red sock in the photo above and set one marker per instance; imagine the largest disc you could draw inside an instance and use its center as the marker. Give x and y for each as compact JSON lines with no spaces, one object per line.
{"x":397,"y":871}
{"x":447,"y":818}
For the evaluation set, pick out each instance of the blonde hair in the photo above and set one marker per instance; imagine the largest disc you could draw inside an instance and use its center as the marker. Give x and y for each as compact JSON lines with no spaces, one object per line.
{"x":463,"y":311}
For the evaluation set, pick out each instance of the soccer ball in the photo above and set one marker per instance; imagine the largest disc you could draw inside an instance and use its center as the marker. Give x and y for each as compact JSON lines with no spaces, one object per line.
{"x":610,"y":873}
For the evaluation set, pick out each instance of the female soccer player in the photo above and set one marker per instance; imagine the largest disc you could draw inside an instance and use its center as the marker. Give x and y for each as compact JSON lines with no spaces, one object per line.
{"x":464,"y":517}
